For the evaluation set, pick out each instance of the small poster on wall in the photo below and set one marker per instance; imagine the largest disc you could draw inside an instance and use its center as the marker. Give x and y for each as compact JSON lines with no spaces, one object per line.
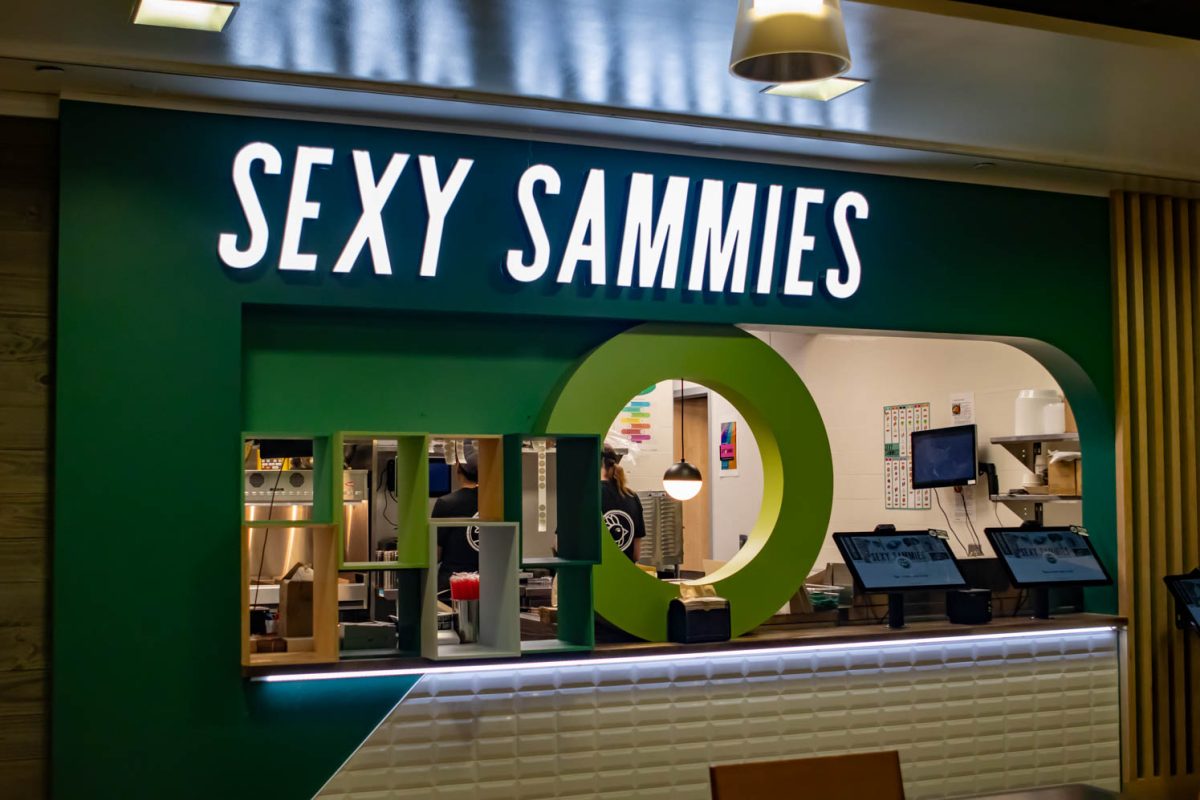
{"x":728,"y":449}
{"x":898,"y":424}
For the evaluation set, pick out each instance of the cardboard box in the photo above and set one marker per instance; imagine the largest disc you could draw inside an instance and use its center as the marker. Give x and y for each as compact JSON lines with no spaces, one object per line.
{"x":295,"y":608}
{"x":1062,"y":478}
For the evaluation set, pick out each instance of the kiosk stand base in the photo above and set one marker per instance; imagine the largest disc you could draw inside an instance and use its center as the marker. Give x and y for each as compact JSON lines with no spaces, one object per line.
{"x":895,"y":610}
{"x":1041,"y":603}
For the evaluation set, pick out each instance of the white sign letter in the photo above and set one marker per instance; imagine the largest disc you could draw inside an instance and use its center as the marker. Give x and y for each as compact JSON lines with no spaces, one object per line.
{"x":370,"y":225}
{"x":587,"y":241}
{"x":730,"y":244}
{"x":301,"y":208}
{"x":800,"y":242}
{"x":838,"y":288}
{"x":515,"y":263}
{"x":252,"y":209}
{"x":766,"y":259}
{"x":644,"y":240}
{"x":438,"y":200}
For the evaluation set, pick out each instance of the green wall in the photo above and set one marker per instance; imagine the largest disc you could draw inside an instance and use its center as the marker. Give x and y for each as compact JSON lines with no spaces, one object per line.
{"x":148,"y":698}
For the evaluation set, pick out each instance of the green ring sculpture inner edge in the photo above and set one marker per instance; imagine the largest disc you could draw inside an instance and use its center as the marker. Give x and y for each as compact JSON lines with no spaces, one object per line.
{"x":792,"y":442}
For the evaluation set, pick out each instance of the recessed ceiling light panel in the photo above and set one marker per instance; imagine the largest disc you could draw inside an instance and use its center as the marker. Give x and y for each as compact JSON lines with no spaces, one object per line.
{"x":816,"y":90}
{"x":195,"y":15}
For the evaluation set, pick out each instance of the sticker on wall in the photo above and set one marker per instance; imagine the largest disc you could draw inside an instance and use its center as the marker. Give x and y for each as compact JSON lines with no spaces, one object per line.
{"x":898,"y":424}
{"x":728,"y":450}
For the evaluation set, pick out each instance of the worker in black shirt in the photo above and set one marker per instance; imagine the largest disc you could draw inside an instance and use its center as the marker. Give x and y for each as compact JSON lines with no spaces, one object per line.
{"x":621,"y":507}
{"x":458,"y":548}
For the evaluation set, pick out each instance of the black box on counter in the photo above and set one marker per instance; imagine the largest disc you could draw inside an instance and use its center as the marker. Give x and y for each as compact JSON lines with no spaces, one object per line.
{"x":698,"y":620}
{"x":969,"y":606}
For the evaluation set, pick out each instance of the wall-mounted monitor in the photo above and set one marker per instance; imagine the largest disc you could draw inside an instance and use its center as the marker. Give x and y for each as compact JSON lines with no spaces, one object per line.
{"x":899,"y":561}
{"x":1041,"y":557}
{"x":944,"y":457}
{"x":439,"y":478}
{"x":1186,"y":590}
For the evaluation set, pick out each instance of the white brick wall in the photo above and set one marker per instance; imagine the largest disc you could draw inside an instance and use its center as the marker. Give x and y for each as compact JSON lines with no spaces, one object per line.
{"x":967,"y":716}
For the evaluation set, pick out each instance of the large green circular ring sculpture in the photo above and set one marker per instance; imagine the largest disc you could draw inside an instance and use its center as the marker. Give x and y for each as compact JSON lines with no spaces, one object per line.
{"x":797,"y":466}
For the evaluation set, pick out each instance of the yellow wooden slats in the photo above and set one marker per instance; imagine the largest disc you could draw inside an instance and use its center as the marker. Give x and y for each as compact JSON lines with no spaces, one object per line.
{"x":1189,"y":292}
{"x":1156,"y":253}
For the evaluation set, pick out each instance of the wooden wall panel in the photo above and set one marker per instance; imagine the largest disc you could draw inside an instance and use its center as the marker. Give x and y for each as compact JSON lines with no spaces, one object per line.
{"x":28,"y":207}
{"x":1157,"y":291}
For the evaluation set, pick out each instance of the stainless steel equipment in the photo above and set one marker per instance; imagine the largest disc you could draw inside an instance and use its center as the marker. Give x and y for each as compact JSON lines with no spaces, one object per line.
{"x":663,"y":546}
{"x":467,"y":612}
{"x":288,"y":495}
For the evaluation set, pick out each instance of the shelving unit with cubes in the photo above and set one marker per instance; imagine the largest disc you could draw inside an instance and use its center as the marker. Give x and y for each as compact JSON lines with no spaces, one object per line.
{"x":578,"y":523}
{"x":290,"y":539}
{"x":324,"y":536}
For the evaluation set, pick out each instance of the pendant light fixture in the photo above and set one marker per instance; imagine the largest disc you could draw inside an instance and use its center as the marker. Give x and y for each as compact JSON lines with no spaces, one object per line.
{"x":682,"y":481}
{"x":782,"y":41}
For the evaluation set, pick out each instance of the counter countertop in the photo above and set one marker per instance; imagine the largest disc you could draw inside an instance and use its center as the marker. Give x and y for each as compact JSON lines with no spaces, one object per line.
{"x":765,"y":637}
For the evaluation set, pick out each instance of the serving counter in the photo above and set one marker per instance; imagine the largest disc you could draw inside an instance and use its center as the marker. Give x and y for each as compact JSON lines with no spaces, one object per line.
{"x":971,"y":710}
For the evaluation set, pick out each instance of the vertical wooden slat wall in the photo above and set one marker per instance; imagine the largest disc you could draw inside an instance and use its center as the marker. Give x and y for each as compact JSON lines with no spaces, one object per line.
{"x":28,"y":211}
{"x":1156,"y":250}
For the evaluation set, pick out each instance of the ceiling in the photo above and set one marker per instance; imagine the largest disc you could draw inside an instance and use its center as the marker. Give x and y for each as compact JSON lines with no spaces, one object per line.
{"x":1048,"y":106}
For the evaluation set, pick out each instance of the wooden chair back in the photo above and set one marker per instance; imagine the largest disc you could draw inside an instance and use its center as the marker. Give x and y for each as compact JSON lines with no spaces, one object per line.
{"x":856,"y":776}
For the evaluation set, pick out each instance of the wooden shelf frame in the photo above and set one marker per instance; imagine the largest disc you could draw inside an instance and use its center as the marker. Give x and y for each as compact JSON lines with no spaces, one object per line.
{"x":325,"y":599}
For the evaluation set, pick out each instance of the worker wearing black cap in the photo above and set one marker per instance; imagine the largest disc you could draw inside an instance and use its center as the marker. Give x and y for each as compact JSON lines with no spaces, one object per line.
{"x":620,"y":505}
{"x":458,"y":548}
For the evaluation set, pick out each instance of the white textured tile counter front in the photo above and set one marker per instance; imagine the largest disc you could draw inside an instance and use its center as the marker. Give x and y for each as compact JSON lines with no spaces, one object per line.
{"x":968,"y":715}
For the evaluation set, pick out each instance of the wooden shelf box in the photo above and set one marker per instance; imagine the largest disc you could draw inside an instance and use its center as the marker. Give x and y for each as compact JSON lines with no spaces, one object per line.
{"x":319,"y":543}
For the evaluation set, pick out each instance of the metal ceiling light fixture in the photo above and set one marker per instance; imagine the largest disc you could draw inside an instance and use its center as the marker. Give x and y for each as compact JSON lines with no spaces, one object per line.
{"x":682,"y":480}
{"x":782,"y":41}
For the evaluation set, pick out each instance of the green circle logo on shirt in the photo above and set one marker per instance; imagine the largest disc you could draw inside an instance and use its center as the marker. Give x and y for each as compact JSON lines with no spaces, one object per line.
{"x":797,"y":465}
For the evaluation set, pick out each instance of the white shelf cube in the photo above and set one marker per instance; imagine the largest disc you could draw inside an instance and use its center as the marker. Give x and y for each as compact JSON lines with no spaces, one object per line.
{"x":499,"y":594}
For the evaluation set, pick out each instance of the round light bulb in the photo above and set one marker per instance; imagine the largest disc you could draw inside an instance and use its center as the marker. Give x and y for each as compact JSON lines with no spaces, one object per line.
{"x":683,"y":481}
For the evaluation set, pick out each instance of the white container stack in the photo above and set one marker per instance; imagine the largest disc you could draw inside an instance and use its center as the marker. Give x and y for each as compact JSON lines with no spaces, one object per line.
{"x":1039,"y":412}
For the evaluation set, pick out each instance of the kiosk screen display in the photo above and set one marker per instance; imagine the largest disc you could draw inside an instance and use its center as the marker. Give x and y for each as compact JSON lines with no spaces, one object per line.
{"x":1186,"y":589}
{"x":944,"y":457}
{"x":1048,"y":556}
{"x":901,"y":561}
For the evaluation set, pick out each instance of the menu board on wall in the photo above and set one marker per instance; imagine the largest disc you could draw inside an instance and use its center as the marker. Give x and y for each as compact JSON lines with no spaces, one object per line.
{"x":899,"y":422}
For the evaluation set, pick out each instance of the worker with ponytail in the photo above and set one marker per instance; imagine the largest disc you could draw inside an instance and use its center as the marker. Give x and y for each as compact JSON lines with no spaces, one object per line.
{"x":620,"y":504}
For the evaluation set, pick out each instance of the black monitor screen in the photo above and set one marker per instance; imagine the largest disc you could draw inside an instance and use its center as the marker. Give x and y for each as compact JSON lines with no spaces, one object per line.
{"x":439,"y":478}
{"x":899,"y":561}
{"x":944,"y":457}
{"x":1186,"y":589}
{"x":1048,"y":556}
